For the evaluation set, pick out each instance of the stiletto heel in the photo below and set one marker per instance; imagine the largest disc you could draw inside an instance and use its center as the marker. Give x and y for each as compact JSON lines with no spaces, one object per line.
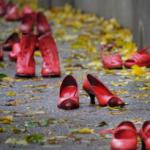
{"x":104,"y":96}
{"x":92,"y":98}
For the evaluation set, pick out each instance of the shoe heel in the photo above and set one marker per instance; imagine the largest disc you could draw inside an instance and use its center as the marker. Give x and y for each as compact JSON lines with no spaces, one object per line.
{"x":143,"y":145}
{"x":92,"y":98}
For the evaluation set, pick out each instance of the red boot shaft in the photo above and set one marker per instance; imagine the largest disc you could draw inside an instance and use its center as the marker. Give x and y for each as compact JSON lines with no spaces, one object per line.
{"x":42,"y":24}
{"x":25,"y":59}
{"x":51,"y":65}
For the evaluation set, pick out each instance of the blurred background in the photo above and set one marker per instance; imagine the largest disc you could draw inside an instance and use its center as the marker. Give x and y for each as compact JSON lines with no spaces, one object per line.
{"x":133,"y":14}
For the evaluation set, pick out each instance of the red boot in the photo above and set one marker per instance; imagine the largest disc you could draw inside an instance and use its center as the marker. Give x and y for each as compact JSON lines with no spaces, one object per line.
{"x":110,"y":61}
{"x":47,"y":46}
{"x":15,"y":51}
{"x":12,"y":12}
{"x":27,"y":23}
{"x":25,"y":59}
{"x":2,"y":7}
{"x":1,"y":52}
{"x":10,"y":41}
{"x":42,"y":24}
{"x":95,"y":88}
{"x":141,"y":58}
{"x":69,"y":94}
{"x":145,"y":135}
{"x":26,"y":10}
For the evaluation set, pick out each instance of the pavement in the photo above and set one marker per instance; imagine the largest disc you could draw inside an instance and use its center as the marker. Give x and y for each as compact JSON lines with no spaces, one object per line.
{"x":36,"y":102}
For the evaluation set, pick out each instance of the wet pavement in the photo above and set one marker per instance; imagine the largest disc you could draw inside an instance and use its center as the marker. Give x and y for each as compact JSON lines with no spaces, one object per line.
{"x":35,"y":109}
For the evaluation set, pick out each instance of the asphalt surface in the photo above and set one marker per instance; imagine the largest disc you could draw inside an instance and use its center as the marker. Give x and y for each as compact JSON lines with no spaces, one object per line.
{"x":39,"y":96}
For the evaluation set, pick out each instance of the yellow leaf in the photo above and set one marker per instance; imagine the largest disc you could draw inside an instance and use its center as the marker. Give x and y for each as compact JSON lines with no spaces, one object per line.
{"x":6,"y":119}
{"x":83,"y":131}
{"x":37,"y":54}
{"x":138,"y":71}
{"x":10,"y":93}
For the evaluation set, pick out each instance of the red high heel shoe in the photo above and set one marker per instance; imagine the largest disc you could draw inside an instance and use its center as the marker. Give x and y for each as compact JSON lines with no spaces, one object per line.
{"x":69,"y":94}
{"x":1,"y":52}
{"x":27,"y":23}
{"x":145,"y":135}
{"x":2,"y":7}
{"x":10,"y":41}
{"x":110,"y":61}
{"x":141,"y":58}
{"x":15,"y":51}
{"x":42,"y":24}
{"x":12,"y":12}
{"x":25,"y":60}
{"x":47,"y":46}
{"x":95,"y":88}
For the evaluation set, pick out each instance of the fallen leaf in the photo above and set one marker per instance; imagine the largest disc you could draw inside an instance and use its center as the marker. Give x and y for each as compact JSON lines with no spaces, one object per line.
{"x":6,"y":119}
{"x":83,"y":131}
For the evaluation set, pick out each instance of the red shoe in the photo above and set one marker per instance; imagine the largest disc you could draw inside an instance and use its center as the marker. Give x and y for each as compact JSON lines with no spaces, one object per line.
{"x":26,"y":10}
{"x":2,"y":7}
{"x":145,"y":135}
{"x":124,"y":136}
{"x":1,"y":52}
{"x":15,"y":51}
{"x":141,"y":58}
{"x":27,"y":23}
{"x":69,"y":94}
{"x":12,"y":13}
{"x":25,"y":59}
{"x":110,"y":61}
{"x":47,"y":46}
{"x":10,"y":41}
{"x":95,"y":88}
{"x":42,"y":24}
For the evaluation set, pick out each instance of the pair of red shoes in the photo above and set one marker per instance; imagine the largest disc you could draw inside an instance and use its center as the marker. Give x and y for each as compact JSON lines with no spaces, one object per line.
{"x":69,"y":93}
{"x":25,"y":58}
{"x":114,"y":61}
{"x":125,"y":136}
{"x":11,"y":12}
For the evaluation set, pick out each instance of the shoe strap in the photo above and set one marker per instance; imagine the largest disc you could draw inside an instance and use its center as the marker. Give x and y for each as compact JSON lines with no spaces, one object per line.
{"x":108,"y":131}
{"x":143,"y":50}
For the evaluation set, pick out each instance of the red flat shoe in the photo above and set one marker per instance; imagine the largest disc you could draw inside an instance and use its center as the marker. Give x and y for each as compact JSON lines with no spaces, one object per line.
{"x":141,"y":58}
{"x":2,"y":8}
{"x":27,"y":23}
{"x":110,"y":61}
{"x":12,"y":12}
{"x":69,"y":94}
{"x":95,"y":88}
{"x":10,"y":41}
{"x":124,"y":136}
{"x":42,"y":24}
{"x":15,"y":51}
{"x":145,"y":135}
{"x":25,"y":59}
{"x":48,"y":48}
{"x":1,"y":52}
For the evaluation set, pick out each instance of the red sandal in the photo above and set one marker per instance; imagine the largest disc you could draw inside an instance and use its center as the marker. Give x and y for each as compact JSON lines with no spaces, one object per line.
{"x":141,"y":58}
{"x":110,"y":61}
{"x":95,"y":88}
{"x":124,"y":136}
{"x":145,"y":135}
{"x":69,"y":94}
